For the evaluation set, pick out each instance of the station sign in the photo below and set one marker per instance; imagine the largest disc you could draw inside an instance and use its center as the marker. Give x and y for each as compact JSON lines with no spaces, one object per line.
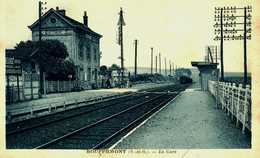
{"x":13,"y":66}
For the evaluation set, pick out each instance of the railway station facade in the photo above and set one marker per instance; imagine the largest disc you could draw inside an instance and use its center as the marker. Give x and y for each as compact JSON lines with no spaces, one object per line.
{"x":83,"y":44}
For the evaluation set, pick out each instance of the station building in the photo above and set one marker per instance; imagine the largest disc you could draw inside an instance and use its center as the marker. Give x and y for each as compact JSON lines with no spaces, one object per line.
{"x":83,"y":44}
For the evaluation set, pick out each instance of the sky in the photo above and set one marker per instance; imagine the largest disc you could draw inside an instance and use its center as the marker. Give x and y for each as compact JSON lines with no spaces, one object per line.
{"x":180,"y":30}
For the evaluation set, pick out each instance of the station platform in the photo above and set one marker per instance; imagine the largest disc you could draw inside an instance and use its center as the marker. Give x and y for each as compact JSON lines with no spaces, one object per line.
{"x":58,"y":99}
{"x":190,"y":121}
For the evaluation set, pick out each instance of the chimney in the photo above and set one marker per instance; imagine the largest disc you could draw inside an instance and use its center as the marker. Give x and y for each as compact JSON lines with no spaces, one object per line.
{"x":85,"y":19}
{"x":62,"y":11}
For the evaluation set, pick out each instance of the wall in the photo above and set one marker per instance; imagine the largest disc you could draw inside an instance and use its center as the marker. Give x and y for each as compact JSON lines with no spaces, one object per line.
{"x":89,"y":65}
{"x":65,"y":36}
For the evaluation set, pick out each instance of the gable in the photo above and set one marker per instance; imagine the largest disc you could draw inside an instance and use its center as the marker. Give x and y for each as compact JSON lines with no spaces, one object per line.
{"x":51,"y":20}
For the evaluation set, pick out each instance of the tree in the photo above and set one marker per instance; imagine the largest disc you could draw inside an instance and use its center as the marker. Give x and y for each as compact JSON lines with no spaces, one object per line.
{"x":50,"y":55}
{"x":103,"y":70}
{"x":46,"y":53}
{"x":62,"y":70}
{"x":115,"y":67}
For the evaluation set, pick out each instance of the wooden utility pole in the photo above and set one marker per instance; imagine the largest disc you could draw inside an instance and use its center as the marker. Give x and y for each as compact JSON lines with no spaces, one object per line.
{"x":40,"y":4}
{"x":221,"y":46}
{"x":121,"y":23}
{"x":151,"y":60}
{"x":40,"y":39}
{"x":170,"y":67}
{"x":135,"y":57}
{"x":40,"y":20}
{"x":216,"y":54}
{"x":245,"y":46}
{"x":231,"y":30}
{"x":121,"y":44}
{"x":156,"y":64}
{"x":173,"y":69}
{"x":165,"y":66}
{"x":160,"y":64}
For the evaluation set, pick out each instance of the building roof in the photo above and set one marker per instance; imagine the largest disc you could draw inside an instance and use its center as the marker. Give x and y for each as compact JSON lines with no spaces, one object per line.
{"x":203,"y":64}
{"x":73,"y":23}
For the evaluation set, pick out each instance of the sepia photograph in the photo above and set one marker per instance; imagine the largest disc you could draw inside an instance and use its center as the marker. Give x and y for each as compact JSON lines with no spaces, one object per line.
{"x":110,"y":78}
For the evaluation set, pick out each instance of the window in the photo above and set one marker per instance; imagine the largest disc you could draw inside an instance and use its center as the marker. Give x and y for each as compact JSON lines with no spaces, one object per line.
{"x":85,"y":76}
{"x":88,"y":48}
{"x":89,"y":74}
{"x":88,"y":56}
{"x":95,"y":74}
{"x":95,"y":55}
{"x":53,"y":20}
{"x":80,"y":51}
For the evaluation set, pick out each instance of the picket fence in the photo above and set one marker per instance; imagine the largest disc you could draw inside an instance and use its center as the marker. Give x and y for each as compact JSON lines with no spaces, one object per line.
{"x":65,"y":86}
{"x":235,"y":100}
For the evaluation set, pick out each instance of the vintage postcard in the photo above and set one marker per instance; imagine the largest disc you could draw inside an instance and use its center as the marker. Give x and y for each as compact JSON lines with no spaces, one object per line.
{"x":121,"y":78}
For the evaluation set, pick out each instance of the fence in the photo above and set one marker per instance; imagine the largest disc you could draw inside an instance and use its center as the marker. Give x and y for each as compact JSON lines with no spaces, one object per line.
{"x":65,"y":86}
{"x":234,"y":99}
{"x":21,"y":88}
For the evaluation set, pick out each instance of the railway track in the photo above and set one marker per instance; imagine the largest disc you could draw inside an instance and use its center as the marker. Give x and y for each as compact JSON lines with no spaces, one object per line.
{"x":22,"y":126}
{"x":98,"y":134}
{"x":53,"y":126}
{"x":87,"y":123}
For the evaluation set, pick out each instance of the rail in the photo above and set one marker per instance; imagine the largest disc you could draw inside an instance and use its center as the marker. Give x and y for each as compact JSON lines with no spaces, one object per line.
{"x":235,"y":100}
{"x":33,"y":111}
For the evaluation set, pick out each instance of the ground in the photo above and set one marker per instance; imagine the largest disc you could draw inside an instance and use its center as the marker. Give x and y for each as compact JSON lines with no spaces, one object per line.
{"x":191,"y":121}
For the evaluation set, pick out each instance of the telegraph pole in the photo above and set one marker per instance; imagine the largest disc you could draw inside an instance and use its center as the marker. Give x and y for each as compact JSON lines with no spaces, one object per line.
{"x":41,"y":89}
{"x":231,"y":30}
{"x":120,"y":24}
{"x":151,"y":60}
{"x":165,"y":66}
{"x":170,"y":67}
{"x":40,"y":39}
{"x":40,"y":21}
{"x":159,"y":63}
{"x":221,"y":45}
{"x":135,"y":57}
{"x":156,"y":64}
{"x":173,"y":69}
{"x":245,"y":46}
{"x":122,"y":48}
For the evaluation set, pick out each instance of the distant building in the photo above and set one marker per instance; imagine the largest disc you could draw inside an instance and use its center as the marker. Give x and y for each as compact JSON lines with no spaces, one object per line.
{"x":83,"y":44}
